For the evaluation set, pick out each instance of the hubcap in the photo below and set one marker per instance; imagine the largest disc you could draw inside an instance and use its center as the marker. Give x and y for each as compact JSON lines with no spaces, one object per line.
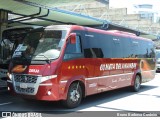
{"x":75,"y":95}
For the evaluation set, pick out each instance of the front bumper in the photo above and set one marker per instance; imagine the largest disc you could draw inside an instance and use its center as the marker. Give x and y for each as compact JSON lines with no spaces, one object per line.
{"x":43,"y":88}
{"x":158,"y":67}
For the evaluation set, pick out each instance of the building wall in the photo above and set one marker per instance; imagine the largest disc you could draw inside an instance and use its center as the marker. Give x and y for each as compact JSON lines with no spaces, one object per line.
{"x":141,"y":7}
{"x":126,"y":13}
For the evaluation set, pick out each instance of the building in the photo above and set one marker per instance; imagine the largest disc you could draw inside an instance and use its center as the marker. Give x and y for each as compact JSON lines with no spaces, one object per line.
{"x":147,"y":9}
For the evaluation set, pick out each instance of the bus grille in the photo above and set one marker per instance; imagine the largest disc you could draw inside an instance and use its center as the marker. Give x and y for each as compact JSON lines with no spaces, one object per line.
{"x":25,"y":78}
{"x":28,"y":90}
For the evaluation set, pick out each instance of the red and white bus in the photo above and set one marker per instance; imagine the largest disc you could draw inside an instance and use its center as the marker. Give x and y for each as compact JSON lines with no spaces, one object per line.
{"x":69,"y":62}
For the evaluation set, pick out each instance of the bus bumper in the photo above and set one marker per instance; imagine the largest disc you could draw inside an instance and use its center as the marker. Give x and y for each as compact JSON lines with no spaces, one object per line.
{"x":45,"y":92}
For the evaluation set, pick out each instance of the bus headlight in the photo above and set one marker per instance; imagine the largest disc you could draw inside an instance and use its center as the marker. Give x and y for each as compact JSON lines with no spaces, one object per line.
{"x":45,"y":78}
{"x":10,"y":76}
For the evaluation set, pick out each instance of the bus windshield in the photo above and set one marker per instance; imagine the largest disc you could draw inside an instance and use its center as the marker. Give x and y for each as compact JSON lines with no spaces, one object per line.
{"x":10,"y":40}
{"x":41,"y":45}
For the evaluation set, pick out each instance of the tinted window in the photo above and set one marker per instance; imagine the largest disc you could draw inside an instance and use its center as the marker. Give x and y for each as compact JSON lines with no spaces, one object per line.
{"x":116,"y":48}
{"x":93,"y":53}
{"x":97,"y":45}
{"x":98,"y":52}
{"x":126,"y":47}
{"x":151,"y":51}
{"x":135,"y":49}
{"x":142,"y":49}
{"x":88,"y":53}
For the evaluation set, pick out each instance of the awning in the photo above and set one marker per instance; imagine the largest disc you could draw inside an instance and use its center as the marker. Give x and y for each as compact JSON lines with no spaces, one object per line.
{"x":47,"y":12}
{"x":42,"y":12}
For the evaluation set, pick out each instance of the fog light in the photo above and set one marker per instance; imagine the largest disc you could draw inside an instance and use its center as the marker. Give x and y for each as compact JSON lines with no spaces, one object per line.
{"x":9,"y":89}
{"x":49,"y":93}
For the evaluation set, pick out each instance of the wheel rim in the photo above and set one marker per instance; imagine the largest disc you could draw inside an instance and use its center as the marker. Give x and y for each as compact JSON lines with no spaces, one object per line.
{"x":74,"y":95}
{"x":137,"y":82}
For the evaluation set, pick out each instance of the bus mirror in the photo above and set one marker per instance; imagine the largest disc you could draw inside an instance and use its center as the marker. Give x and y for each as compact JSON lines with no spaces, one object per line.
{"x":73,"y":38}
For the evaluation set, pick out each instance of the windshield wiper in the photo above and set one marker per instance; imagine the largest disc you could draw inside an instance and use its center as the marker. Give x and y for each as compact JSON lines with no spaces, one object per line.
{"x":49,"y":60}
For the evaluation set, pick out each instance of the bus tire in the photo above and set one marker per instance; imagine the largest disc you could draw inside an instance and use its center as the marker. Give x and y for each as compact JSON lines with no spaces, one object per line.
{"x":74,"y":96}
{"x":137,"y":84}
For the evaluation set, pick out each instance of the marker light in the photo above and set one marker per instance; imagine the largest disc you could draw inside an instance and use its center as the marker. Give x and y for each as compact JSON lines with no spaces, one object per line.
{"x":49,"y":93}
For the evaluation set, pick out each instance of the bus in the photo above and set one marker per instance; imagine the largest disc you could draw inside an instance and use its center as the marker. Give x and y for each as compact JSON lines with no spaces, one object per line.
{"x":69,"y":62}
{"x":11,"y":37}
{"x":157,"y":51}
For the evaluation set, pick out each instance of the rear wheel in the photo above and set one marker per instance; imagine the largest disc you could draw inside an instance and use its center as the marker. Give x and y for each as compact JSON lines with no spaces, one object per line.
{"x":137,"y":84}
{"x":74,"y":96}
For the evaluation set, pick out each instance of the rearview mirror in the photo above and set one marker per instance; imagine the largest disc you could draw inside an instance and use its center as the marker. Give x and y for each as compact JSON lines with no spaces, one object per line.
{"x":73,"y":38}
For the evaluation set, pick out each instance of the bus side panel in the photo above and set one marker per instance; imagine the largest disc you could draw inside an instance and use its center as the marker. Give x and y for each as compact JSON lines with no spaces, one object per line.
{"x":115,"y":73}
{"x":147,"y":67}
{"x":144,"y":50}
{"x":78,"y":69}
{"x":111,"y":68}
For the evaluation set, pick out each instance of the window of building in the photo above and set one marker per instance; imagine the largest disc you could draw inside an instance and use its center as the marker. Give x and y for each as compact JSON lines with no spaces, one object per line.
{"x":146,"y":6}
{"x":146,"y":15}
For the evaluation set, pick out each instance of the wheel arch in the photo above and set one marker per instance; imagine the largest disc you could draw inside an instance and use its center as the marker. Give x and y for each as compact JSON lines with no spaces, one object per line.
{"x":136,"y":83}
{"x":134,"y":76}
{"x":140,"y":75}
{"x":70,"y":82}
{"x":82,"y":85}
{"x":69,"y":101}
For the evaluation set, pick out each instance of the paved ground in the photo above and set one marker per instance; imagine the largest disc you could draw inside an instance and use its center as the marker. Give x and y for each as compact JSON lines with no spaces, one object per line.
{"x":147,"y":99}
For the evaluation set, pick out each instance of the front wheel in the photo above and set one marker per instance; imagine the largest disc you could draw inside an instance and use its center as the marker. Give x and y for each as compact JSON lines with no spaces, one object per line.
{"x":137,"y":84}
{"x":74,"y":96}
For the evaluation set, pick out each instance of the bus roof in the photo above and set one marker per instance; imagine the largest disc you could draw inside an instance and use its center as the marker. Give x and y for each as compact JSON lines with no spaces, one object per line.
{"x":111,"y":32}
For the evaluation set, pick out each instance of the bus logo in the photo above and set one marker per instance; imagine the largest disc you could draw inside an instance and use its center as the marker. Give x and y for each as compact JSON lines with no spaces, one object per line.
{"x":33,"y":70}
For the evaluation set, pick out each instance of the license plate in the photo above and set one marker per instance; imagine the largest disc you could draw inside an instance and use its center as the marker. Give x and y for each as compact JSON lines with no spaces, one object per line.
{"x":23,"y":85}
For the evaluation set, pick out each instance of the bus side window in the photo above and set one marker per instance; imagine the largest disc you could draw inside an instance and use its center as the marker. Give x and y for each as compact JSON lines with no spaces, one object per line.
{"x":73,"y":50}
{"x":88,"y":53}
{"x":93,"y":53}
{"x":98,"y":52}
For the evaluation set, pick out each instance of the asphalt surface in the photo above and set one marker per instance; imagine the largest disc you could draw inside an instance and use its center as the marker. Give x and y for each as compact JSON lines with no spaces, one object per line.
{"x":147,"y":99}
